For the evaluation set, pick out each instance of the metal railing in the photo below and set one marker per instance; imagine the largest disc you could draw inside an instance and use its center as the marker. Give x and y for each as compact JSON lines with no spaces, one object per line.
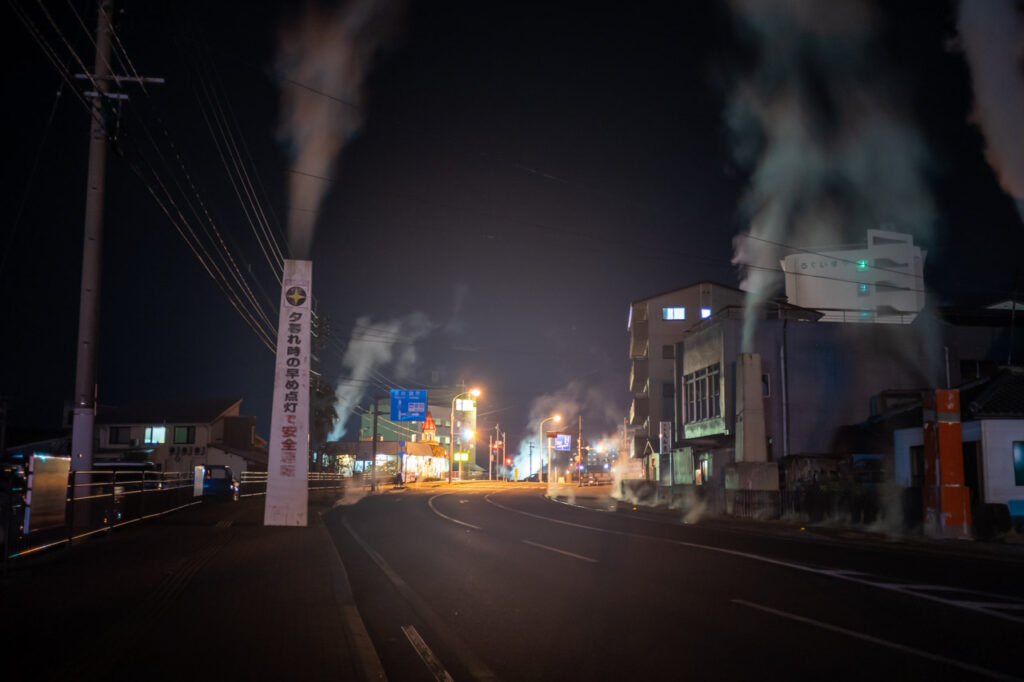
{"x":100,"y":501}
{"x":255,"y":482}
{"x":96,"y":502}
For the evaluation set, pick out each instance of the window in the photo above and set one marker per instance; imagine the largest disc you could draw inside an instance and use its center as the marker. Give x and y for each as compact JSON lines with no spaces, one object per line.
{"x":156,"y":435}
{"x":120,"y":435}
{"x":1018,"y":462}
{"x":703,"y":393}
{"x":184,"y":434}
{"x":667,"y":390}
{"x":705,"y":313}
{"x":667,"y":352}
{"x":673,"y":313}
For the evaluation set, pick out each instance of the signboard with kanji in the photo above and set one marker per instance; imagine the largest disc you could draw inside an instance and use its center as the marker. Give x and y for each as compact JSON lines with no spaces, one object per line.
{"x":408,"y":406}
{"x":563,"y":441}
{"x":288,"y":445}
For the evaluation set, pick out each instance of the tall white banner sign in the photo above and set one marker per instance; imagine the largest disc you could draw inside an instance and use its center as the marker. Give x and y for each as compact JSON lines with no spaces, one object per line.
{"x":288,"y":446}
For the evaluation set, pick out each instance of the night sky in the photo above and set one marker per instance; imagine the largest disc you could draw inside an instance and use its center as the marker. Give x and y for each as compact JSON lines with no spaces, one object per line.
{"x":523,"y":171}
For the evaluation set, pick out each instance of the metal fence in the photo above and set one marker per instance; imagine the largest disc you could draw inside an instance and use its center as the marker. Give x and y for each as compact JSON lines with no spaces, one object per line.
{"x":100,"y":501}
{"x":95,"y":502}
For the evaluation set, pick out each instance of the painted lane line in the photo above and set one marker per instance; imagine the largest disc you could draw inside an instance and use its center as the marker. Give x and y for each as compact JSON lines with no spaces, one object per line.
{"x":978,"y":670}
{"x":476,"y":667}
{"x":560,"y":551}
{"x":848,"y":576}
{"x":430,"y":503}
{"x":426,"y":655}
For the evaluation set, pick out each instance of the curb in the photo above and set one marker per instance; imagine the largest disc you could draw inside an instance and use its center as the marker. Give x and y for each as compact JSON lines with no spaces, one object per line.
{"x":367,"y":664}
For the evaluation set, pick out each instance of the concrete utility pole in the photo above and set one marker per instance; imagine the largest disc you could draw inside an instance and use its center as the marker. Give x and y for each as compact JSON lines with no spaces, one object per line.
{"x":84,"y":414}
{"x":84,"y":409}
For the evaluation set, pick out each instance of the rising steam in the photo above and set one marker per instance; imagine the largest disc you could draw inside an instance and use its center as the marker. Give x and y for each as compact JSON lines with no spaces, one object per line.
{"x":322,"y":62}
{"x":992,"y":36}
{"x":374,"y":346}
{"x":575,"y":399}
{"x":831,"y":148}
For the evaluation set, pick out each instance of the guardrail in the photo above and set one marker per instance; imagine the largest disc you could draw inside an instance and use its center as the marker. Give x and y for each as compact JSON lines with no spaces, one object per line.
{"x":100,"y":501}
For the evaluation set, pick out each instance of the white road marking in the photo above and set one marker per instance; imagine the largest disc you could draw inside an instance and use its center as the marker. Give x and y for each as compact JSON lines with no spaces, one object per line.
{"x":993,"y":674}
{"x":476,"y":667}
{"x":426,"y":655}
{"x":430,"y":503}
{"x":560,"y":551}
{"x":991,"y":609}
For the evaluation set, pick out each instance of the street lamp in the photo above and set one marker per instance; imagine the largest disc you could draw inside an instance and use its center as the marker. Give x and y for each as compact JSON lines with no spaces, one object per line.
{"x":540,"y":442}
{"x":451,"y":430}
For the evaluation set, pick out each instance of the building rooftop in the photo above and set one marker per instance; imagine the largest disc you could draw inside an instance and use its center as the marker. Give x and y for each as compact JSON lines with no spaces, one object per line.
{"x":166,"y":411}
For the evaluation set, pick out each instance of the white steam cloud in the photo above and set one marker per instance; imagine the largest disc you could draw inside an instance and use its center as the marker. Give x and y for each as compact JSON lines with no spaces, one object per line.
{"x":575,"y":399}
{"x":322,"y":62}
{"x":373,"y":346}
{"x":831,"y":147}
{"x":992,"y":36}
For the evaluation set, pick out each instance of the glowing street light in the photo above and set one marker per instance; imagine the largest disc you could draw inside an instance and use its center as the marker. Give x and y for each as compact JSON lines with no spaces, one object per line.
{"x":540,"y":442}
{"x":451,"y":430}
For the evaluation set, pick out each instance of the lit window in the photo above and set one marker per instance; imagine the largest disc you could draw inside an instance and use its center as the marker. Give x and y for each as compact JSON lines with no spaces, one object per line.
{"x":705,"y":313}
{"x":673,"y":313}
{"x":156,"y":435}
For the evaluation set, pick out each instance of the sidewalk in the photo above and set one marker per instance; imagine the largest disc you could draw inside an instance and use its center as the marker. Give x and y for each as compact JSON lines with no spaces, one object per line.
{"x":204,"y":593}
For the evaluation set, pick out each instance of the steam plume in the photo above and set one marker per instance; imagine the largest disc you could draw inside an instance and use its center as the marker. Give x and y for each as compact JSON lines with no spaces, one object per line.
{"x":321,"y":63}
{"x":376,"y":345}
{"x":831,"y":149}
{"x":576,"y":398}
{"x":992,"y":35}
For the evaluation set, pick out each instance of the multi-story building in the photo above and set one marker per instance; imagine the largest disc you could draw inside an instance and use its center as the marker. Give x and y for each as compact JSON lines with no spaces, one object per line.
{"x":880,"y":281}
{"x":656,"y":324}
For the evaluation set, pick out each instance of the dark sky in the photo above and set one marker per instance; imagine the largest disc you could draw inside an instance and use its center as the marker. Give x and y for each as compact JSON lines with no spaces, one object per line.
{"x":524,"y":171}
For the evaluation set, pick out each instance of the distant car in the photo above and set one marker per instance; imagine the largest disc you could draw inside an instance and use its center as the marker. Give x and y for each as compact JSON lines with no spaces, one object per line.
{"x":597,"y":478}
{"x":218,"y":482}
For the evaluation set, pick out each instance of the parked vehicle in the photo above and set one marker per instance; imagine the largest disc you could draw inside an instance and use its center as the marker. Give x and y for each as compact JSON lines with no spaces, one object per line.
{"x":218,"y":483}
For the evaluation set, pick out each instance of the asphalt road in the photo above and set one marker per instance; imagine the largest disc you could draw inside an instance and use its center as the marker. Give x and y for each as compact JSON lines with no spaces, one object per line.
{"x":484,"y":581}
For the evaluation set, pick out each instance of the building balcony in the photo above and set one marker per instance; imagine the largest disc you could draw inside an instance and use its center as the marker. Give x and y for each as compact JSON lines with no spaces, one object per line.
{"x":638,"y":376}
{"x":639,"y":411}
{"x":639,"y":339}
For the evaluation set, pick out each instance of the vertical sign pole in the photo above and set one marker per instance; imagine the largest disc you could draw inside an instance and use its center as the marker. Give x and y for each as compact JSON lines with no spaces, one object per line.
{"x":288,"y":465}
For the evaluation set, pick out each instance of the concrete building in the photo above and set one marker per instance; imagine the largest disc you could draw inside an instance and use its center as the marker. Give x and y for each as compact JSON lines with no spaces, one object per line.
{"x":881,"y":281}
{"x":178,"y":435}
{"x":656,"y":324}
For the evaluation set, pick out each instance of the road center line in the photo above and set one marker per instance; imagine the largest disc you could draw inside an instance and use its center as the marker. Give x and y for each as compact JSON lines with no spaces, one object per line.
{"x":426,"y":655}
{"x":995,"y":675}
{"x":430,"y":503}
{"x":560,"y":551}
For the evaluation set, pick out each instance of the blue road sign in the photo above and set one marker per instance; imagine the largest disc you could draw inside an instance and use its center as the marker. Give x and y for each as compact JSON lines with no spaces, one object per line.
{"x":563,"y":441}
{"x":408,"y":406}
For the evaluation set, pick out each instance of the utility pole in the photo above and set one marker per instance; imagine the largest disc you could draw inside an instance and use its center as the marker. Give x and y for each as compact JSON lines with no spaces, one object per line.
{"x":497,"y":441}
{"x":490,"y":454}
{"x":531,"y":460}
{"x":84,"y":408}
{"x":373,"y":447}
{"x":579,"y":455}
